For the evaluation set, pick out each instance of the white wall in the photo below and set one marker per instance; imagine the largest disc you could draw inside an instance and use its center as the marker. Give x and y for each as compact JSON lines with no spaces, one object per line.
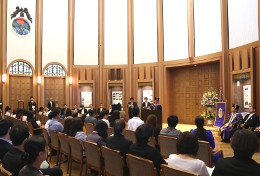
{"x":243,"y":22}
{"x":55,"y":32}
{"x":175,"y":27}
{"x":21,"y":47}
{"x":86,"y":32}
{"x":207,"y":26}
{"x":115,"y":37}
{"x":145,"y":31}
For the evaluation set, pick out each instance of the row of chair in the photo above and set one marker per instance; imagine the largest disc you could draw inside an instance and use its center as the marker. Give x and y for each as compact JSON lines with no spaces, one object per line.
{"x":113,"y":161}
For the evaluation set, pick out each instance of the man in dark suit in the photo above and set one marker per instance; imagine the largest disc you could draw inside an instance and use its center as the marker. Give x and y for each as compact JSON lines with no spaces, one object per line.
{"x":32,"y":104}
{"x":100,"y":108}
{"x":130,"y":106}
{"x":64,"y":110}
{"x":5,"y":143}
{"x":51,"y":104}
{"x":146,"y":104}
{"x":250,"y":119}
{"x":92,"y":108}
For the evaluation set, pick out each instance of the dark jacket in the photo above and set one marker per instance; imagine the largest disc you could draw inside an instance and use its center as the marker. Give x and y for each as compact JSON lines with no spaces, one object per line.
{"x":13,"y":161}
{"x":236,"y":166}
{"x":251,"y":122}
{"x":30,"y":104}
{"x":50,"y":106}
{"x":4,"y":148}
{"x":94,"y":137}
{"x":119,"y":142}
{"x":148,"y":152}
{"x":148,"y":104}
{"x":98,"y":110}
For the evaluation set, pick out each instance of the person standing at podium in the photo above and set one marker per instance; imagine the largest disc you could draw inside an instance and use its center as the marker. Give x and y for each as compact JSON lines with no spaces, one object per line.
{"x":130,"y":106}
{"x":146,"y":104}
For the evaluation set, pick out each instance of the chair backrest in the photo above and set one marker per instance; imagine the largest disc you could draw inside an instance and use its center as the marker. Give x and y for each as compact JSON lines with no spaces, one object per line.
{"x":110,"y":131}
{"x":62,"y":121}
{"x":4,"y":172}
{"x":140,"y":166}
{"x":76,"y":149}
{"x":46,"y":136}
{"x":167,"y":145}
{"x":89,"y":128}
{"x":54,"y":140}
{"x":130,"y":135}
{"x":29,"y":124}
{"x":204,"y":153}
{"x":93,"y":155}
{"x":64,"y":143}
{"x":45,"y":119}
{"x":169,"y":171}
{"x":114,"y":164}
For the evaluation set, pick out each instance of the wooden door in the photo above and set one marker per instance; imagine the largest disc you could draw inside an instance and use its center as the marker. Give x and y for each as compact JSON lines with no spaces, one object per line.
{"x":21,"y":88}
{"x":54,"y":87}
{"x":188,"y":85}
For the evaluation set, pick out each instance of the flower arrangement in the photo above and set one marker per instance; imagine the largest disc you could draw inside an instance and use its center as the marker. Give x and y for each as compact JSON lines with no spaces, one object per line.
{"x":208,"y":100}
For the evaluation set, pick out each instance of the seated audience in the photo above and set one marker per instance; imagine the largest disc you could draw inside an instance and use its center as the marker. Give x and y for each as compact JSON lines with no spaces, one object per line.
{"x":76,"y":130}
{"x":31,"y":119}
{"x":104,"y":116}
{"x":115,"y":115}
{"x":118,"y":141}
{"x":152,"y":121}
{"x":41,"y":111}
{"x":250,"y":119}
{"x":171,"y":129}
{"x":8,"y":111}
{"x":64,"y":111}
{"x":141,"y":148}
{"x":244,"y":144}
{"x":67,"y":126}
{"x":5,"y":143}
{"x":13,"y":161}
{"x":99,"y":135}
{"x":135,"y":122}
{"x":257,"y":129}
{"x":54,"y":124}
{"x":100,"y":109}
{"x":187,"y":148}
{"x":45,"y":111}
{"x":68,"y":114}
{"x":205,"y":135}
{"x":48,"y":121}
{"x":91,"y":118}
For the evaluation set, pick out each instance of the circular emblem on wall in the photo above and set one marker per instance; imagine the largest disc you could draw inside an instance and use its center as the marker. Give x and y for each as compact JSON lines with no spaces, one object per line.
{"x":21,"y":26}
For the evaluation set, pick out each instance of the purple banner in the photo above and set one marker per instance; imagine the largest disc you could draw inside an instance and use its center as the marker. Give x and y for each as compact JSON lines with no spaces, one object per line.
{"x":220,"y":113}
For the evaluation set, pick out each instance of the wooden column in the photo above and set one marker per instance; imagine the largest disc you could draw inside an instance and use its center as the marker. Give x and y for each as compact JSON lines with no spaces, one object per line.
{"x":160,"y":51}
{"x":38,"y":52}
{"x":71,"y":47}
{"x":101,"y":49}
{"x":257,"y":67}
{"x":191,"y":29}
{"x":224,"y":61}
{"x":3,"y":32}
{"x":130,"y":49}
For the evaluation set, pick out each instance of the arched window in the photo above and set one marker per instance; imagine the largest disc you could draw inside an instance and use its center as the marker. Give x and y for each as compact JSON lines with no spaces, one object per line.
{"x":54,"y":70}
{"x":20,"y":68}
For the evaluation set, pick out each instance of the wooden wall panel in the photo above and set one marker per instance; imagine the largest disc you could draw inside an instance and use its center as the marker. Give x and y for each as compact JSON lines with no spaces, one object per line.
{"x":236,"y":58}
{"x":245,"y":59}
{"x":186,"y":87}
{"x":257,"y":78}
{"x":54,"y":87}
{"x":21,"y":88}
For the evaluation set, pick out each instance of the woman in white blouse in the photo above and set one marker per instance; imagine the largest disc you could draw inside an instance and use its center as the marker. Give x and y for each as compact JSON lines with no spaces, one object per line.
{"x":187,"y":148}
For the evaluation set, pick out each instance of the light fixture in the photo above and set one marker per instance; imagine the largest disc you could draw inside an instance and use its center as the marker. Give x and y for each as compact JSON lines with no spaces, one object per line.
{"x":4,"y":78}
{"x":238,"y":83}
{"x":39,"y":79}
{"x":70,"y":80}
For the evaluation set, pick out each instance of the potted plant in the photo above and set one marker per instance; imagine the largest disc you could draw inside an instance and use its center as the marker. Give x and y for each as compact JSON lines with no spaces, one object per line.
{"x":208,"y":100}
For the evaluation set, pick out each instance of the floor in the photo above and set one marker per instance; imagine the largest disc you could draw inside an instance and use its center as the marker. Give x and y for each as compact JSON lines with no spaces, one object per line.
{"x":183,"y":127}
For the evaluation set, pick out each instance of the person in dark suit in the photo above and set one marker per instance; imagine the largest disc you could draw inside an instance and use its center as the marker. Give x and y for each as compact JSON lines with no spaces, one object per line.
{"x":143,"y":150}
{"x":257,"y":129}
{"x":51,"y":104}
{"x":5,"y":143}
{"x":250,"y":119}
{"x":146,"y":104}
{"x":13,"y":161}
{"x":92,"y":108}
{"x":64,"y":110}
{"x":100,"y":108}
{"x":244,"y":144}
{"x":32,"y":104}
{"x":130,"y":106}
{"x":82,"y":110}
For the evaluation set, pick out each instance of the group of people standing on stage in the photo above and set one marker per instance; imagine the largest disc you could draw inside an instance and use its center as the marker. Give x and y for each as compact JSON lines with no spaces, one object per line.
{"x":236,"y":121}
{"x":145,"y":105}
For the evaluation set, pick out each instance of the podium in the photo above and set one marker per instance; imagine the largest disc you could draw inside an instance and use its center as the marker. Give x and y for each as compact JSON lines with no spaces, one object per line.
{"x":146,"y":112}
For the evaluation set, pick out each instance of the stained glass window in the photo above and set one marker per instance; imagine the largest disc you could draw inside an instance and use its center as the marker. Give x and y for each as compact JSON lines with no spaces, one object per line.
{"x":54,"y":70}
{"x":20,"y":68}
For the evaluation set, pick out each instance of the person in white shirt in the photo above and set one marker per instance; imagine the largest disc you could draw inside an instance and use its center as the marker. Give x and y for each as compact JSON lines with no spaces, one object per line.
{"x":135,"y":122}
{"x":104,"y":116}
{"x":8,"y":111}
{"x":187,"y":149}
